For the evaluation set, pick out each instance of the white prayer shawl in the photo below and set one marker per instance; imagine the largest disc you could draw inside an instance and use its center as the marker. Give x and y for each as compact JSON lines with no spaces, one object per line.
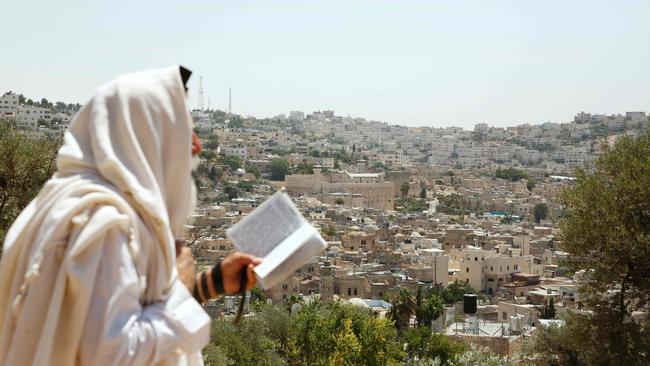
{"x":124,"y":170}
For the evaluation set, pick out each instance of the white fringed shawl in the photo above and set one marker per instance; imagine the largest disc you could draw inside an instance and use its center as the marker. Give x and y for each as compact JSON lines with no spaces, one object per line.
{"x":126,"y":163}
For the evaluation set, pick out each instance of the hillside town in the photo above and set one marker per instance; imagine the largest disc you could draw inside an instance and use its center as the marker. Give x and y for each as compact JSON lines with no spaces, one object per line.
{"x":401,"y":208}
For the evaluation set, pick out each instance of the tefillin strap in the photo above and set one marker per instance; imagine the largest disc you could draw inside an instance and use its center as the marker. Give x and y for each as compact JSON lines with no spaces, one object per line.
{"x":242,"y":291}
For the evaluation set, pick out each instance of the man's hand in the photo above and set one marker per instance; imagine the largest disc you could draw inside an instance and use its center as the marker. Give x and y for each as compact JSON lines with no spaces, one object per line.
{"x":231,"y":268}
{"x":185,"y":266}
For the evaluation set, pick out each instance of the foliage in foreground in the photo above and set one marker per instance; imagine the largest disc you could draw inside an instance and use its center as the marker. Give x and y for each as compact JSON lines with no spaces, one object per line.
{"x":25,"y":165}
{"x":318,"y":334}
{"x":607,"y":233}
{"x":330,"y":334}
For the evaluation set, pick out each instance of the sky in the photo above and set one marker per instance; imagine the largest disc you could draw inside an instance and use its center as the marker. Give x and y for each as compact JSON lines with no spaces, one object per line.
{"x":415,"y":63}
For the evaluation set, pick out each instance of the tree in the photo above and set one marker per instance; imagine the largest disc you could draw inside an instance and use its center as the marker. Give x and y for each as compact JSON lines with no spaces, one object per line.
{"x":347,"y":350}
{"x":339,"y":201}
{"x":511,"y":174}
{"x":530,"y":184}
{"x":549,"y":311}
{"x":428,"y":308}
{"x":606,"y":232}
{"x":305,"y":168}
{"x":215,"y":174}
{"x":402,"y":310}
{"x":404,"y":189}
{"x":423,"y":193}
{"x":231,"y":191}
{"x":212,"y":143}
{"x":279,"y":168}
{"x":423,"y":344}
{"x":25,"y":165}
{"x":253,"y":169}
{"x":455,"y":291}
{"x":540,"y":211}
{"x":245,"y":185}
{"x":232,"y":161}
{"x":207,"y":155}
{"x":241,"y":344}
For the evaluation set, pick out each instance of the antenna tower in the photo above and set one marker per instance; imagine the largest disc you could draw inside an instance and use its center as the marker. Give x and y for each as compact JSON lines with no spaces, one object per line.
{"x":230,"y":100}
{"x":200,"y":101}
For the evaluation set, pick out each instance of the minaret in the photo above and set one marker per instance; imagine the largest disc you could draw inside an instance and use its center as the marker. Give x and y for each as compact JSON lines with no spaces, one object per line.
{"x":199,"y":105}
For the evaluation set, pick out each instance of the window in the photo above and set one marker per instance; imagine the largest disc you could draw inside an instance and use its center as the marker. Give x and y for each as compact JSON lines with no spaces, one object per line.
{"x":222,"y":247}
{"x":467,"y":269}
{"x":285,"y":286}
{"x":381,"y":294}
{"x":508,"y":267}
{"x":504,"y":315}
{"x":349,"y":291}
{"x":491,"y":268}
{"x":355,"y":291}
{"x":475,"y":259}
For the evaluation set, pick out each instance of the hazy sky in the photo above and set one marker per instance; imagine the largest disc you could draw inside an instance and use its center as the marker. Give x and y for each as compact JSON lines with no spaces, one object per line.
{"x":435,"y":63}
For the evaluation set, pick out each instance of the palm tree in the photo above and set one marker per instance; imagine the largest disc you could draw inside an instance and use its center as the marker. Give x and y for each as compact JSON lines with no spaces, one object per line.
{"x":403,"y":308}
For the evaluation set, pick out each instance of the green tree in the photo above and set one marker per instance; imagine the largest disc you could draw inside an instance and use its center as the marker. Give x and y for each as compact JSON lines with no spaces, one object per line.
{"x":207,"y":155}
{"x":231,"y":191}
{"x":330,"y":231}
{"x":25,"y":165}
{"x":339,"y":201}
{"x":305,"y":168}
{"x":421,"y":344}
{"x":244,"y":344}
{"x":403,"y":308}
{"x":212,"y":143}
{"x":404,"y":189}
{"x":511,"y":174}
{"x":606,"y":231}
{"x":549,"y":311}
{"x":423,"y":193}
{"x":215,"y":174}
{"x":530,"y":184}
{"x":245,"y":185}
{"x":347,"y":350}
{"x":432,"y":308}
{"x":455,"y":291}
{"x":540,"y":212}
{"x":232,"y":161}
{"x":278,"y":168}
{"x":253,"y":169}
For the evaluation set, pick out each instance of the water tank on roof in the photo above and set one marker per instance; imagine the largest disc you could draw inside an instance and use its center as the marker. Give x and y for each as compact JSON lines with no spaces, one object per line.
{"x":516,"y":324}
{"x":469,"y":303}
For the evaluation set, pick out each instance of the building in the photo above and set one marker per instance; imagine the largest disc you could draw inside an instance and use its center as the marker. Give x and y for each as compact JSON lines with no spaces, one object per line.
{"x":9,"y":103}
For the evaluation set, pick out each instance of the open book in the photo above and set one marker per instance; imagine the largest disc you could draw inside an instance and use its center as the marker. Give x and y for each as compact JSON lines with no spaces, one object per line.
{"x":276,"y":232}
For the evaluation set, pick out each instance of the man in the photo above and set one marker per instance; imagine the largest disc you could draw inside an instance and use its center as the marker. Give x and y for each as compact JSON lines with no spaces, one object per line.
{"x":91,"y":273}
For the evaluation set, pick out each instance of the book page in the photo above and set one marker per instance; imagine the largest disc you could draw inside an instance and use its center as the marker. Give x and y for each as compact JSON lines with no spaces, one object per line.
{"x":267,"y":226}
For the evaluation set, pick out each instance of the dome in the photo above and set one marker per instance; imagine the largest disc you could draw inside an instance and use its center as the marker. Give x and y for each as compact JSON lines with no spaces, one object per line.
{"x":355,"y":301}
{"x":241,"y":171}
{"x":370,"y":228}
